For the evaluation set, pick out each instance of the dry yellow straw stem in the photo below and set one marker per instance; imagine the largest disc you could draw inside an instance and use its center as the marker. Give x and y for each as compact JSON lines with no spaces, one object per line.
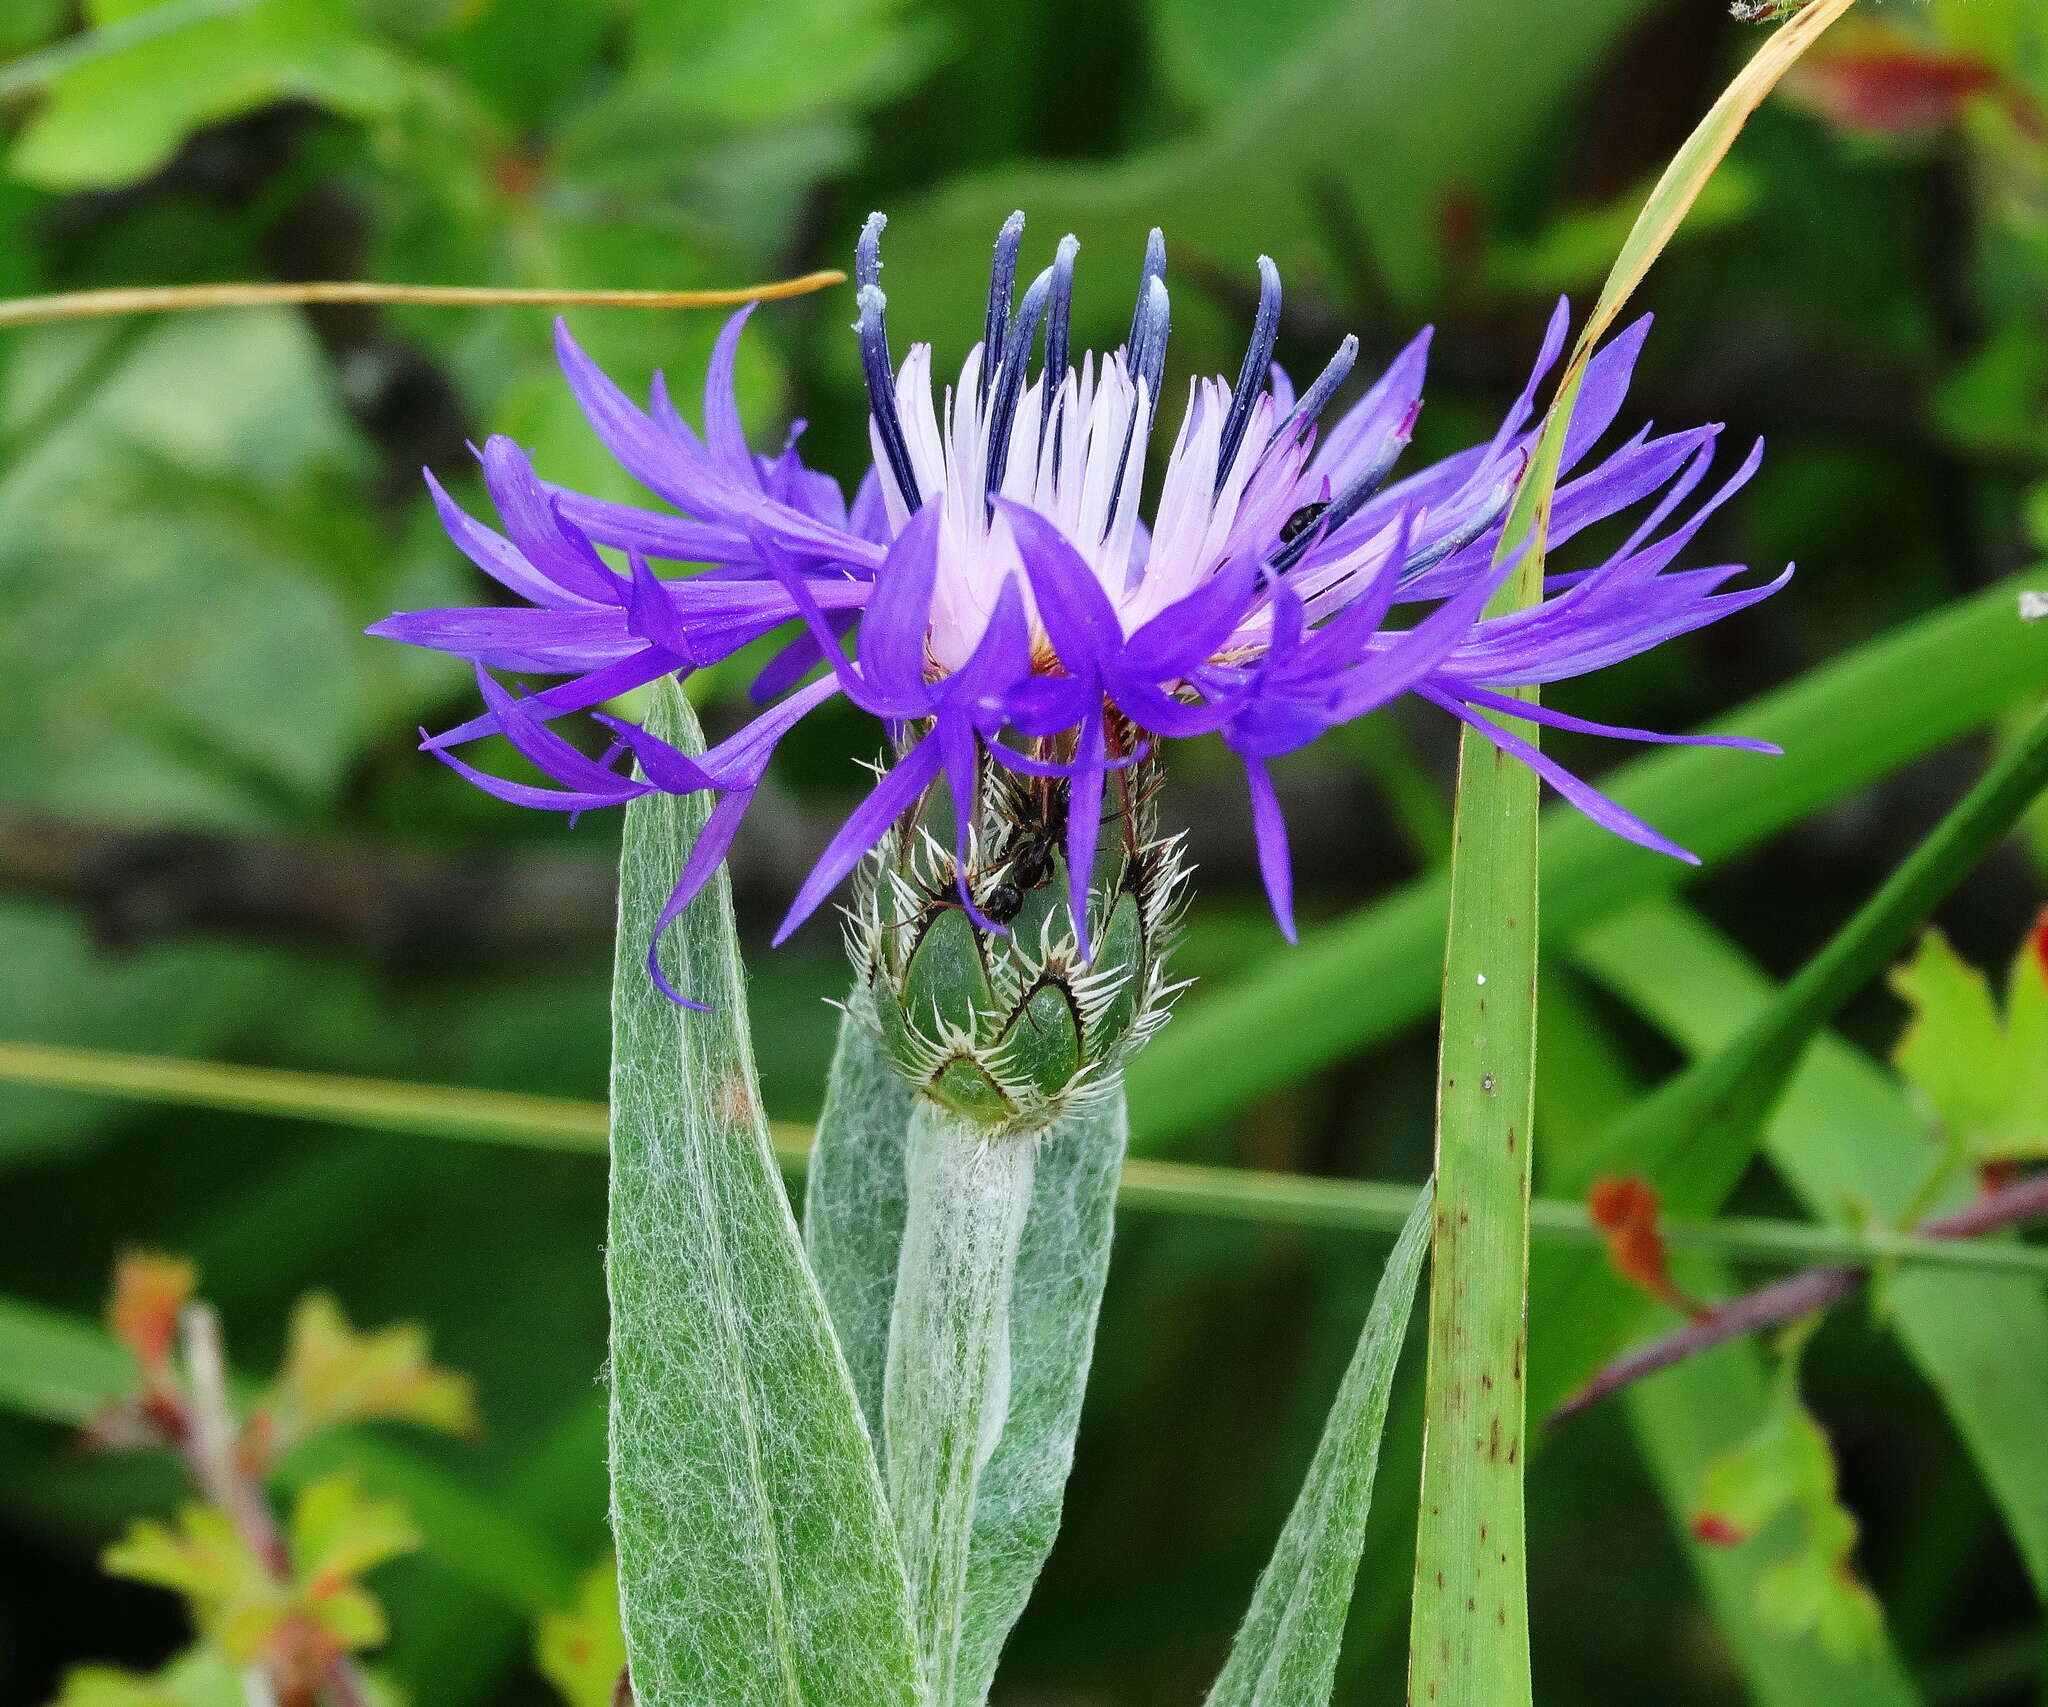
{"x":162,"y":299}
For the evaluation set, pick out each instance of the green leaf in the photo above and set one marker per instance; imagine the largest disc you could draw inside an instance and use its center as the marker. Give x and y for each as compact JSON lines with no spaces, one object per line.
{"x":1954,"y":1046}
{"x":1326,"y":123}
{"x":117,"y":116}
{"x":743,"y":63}
{"x":853,"y":1229}
{"x":1285,"y":1652}
{"x":235,"y":1602}
{"x":339,"y":1532}
{"x":189,"y":652}
{"x":333,"y":1375}
{"x":1062,"y":1266}
{"x":1694,"y":1135}
{"x":1684,"y":1420}
{"x":1845,"y":1136}
{"x":196,"y":1678}
{"x":1788,"y":1465}
{"x":582,"y":1651}
{"x":1985,"y":1074}
{"x":1354,"y":983}
{"x":756,"y":1559}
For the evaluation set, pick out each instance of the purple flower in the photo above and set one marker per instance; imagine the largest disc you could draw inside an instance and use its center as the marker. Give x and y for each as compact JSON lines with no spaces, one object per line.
{"x":1012,"y":600}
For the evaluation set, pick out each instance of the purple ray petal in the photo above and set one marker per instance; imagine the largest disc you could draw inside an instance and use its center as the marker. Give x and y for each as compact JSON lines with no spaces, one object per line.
{"x":1084,"y":828}
{"x":1079,"y":619}
{"x":1269,"y":827}
{"x":1608,"y":814}
{"x":1552,"y":718}
{"x":706,"y":854}
{"x":890,"y":798}
{"x":723,"y":433}
{"x":530,"y":517}
{"x":496,"y":556}
{"x":594,"y":689}
{"x":553,"y":642}
{"x":892,"y":634}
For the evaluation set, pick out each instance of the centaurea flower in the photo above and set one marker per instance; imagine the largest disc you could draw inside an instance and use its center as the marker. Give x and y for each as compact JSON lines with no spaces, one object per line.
{"x":1013,"y":602}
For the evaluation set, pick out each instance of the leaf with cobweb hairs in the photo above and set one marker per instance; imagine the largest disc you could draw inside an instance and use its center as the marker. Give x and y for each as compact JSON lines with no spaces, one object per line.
{"x":948,"y":1019}
{"x":757,"y":1567}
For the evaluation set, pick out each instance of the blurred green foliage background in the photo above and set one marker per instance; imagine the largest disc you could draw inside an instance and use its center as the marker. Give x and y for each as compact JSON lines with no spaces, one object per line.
{"x":216,"y":838}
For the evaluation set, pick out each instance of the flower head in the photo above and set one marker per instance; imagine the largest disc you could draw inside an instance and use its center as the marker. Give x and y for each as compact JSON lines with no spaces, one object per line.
{"x":1014,"y":602}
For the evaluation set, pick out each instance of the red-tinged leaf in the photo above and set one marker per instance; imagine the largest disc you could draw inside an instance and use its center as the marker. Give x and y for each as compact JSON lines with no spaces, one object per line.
{"x":150,"y":1289}
{"x":1625,"y":1212}
{"x":582,"y":1650}
{"x":1882,"y":80}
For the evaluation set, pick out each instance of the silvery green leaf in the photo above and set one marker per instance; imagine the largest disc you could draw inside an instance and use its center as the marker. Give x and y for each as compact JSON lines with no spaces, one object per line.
{"x":757,"y":1564}
{"x":1285,"y":1652}
{"x":853,"y":1227}
{"x":1062,"y":1263}
{"x":854,"y":1204}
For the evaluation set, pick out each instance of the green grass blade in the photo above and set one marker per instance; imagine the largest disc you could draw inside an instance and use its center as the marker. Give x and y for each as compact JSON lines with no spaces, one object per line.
{"x":1846,"y":1136}
{"x":1469,"y":1642}
{"x":1686,"y":1417}
{"x":1694,"y":1136}
{"x":1843,"y":726}
{"x":1469,"y":1634}
{"x":1285,"y":1652}
{"x":756,"y":1559}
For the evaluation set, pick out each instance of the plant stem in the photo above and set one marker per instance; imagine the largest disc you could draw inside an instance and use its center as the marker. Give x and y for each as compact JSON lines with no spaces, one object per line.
{"x":946,"y":1389}
{"x":168,"y":299}
{"x":1470,"y":1644}
{"x":1797,"y":1295}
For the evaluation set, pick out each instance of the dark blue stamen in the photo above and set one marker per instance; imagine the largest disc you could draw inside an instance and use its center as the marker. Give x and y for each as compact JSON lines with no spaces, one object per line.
{"x":1251,"y":377}
{"x":1058,"y":324}
{"x":1316,"y":398}
{"x":1147,"y":357}
{"x":1154,"y":270}
{"x":1346,"y":503}
{"x":1009,"y":389}
{"x":1452,"y":543}
{"x":1002,"y":285}
{"x":867,"y":253}
{"x":880,"y":375}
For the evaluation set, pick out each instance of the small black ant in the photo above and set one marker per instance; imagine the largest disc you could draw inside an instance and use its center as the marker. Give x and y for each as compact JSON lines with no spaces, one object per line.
{"x":1031,"y":864}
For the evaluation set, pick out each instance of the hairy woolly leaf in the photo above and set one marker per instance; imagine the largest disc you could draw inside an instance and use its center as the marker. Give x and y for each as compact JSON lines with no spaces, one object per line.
{"x":853,"y":1228}
{"x":757,"y":1566}
{"x":1062,"y":1265}
{"x":854,"y":1202}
